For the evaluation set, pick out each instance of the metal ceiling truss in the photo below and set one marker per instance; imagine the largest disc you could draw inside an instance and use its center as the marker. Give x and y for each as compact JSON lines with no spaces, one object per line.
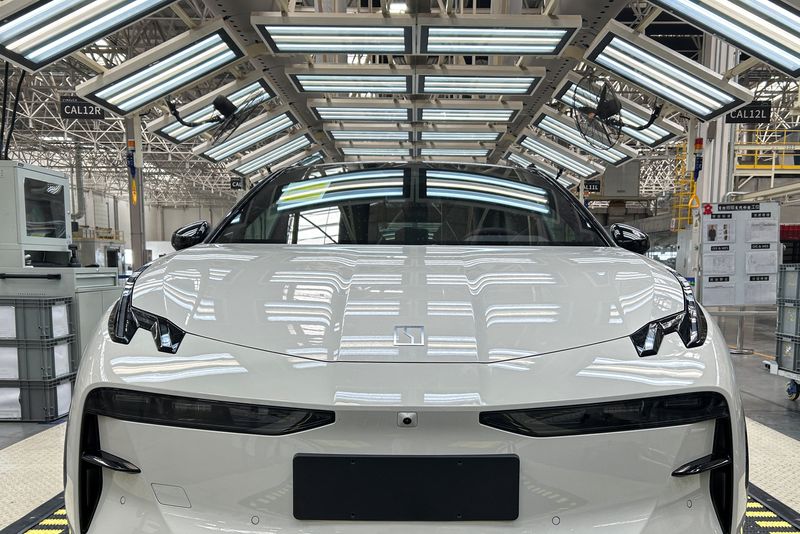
{"x":415,"y":81}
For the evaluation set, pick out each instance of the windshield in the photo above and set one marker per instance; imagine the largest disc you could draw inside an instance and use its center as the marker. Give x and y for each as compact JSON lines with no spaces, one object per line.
{"x":411,"y":205}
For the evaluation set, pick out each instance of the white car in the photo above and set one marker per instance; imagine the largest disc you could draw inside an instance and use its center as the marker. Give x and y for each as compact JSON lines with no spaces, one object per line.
{"x":406,"y":348}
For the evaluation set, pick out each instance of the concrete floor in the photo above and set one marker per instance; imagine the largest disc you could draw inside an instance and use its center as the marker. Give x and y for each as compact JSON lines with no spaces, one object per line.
{"x":763,"y":395}
{"x":10,"y":433}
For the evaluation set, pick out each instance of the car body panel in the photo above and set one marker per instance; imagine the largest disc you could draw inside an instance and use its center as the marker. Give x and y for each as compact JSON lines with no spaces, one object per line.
{"x":343,"y":303}
{"x":230,"y":478}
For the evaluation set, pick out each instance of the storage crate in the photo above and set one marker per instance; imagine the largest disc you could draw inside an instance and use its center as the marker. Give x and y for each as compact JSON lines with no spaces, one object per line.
{"x":789,"y":282}
{"x":788,"y":352}
{"x":36,"y":318}
{"x":35,"y":402}
{"x":788,"y":319}
{"x":38,"y":360}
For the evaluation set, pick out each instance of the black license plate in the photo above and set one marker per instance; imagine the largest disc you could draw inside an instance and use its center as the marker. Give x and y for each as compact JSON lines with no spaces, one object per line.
{"x":406,"y":488}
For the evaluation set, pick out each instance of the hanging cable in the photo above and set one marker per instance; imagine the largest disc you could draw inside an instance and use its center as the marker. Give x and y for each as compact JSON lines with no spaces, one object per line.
{"x":5,"y":101}
{"x":173,"y":109}
{"x":653,"y":116}
{"x":13,"y":114}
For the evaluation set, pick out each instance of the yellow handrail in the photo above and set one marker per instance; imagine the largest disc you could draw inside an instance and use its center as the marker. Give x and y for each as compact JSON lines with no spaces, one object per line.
{"x":767,"y":149}
{"x":685,"y":198}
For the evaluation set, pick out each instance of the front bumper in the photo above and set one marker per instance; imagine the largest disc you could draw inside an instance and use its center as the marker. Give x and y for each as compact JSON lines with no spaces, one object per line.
{"x":197,"y":481}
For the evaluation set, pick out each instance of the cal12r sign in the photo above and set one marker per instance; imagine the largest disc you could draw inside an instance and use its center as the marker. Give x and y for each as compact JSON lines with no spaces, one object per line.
{"x":74,"y":107}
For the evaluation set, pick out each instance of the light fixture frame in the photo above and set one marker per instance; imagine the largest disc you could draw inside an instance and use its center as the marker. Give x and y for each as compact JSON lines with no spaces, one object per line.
{"x":455,"y":129}
{"x":571,"y":24}
{"x":352,"y":70}
{"x":740,"y":95}
{"x":13,"y":10}
{"x":260,"y":20}
{"x":452,"y":146}
{"x":673,"y":129}
{"x":266,"y":116}
{"x":293,"y":160}
{"x":542,"y":166}
{"x":376,"y":146}
{"x":466,"y":105}
{"x":157,"y":126}
{"x":546,"y":111}
{"x":560,"y":151}
{"x":262,"y":151}
{"x":89,"y":88}
{"x":376,"y":128}
{"x":742,"y":45}
{"x":486,"y":72}
{"x":370,"y":103}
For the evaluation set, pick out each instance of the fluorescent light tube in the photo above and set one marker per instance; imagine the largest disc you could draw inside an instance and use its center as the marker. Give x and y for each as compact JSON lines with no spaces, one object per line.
{"x":335,"y":33}
{"x":534,"y":164}
{"x":369,"y":135}
{"x":497,"y":35}
{"x":539,"y":165}
{"x":310,"y":160}
{"x":344,"y":114}
{"x":633,"y":115}
{"x":455,"y":152}
{"x":518,"y":160}
{"x":376,"y":151}
{"x":270,"y":154}
{"x":478,"y":85}
{"x":342,"y":83}
{"x":445,"y":114}
{"x":247,"y":135}
{"x":250,"y":91}
{"x":564,"y":128}
{"x":437,"y":135}
{"x":665,"y":73}
{"x":35,"y":34}
{"x":766,"y":29}
{"x":560,"y":156}
{"x":164,"y":70}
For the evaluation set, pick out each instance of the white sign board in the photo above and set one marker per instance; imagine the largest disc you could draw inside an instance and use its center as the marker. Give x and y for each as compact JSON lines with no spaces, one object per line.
{"x":740,"y":253}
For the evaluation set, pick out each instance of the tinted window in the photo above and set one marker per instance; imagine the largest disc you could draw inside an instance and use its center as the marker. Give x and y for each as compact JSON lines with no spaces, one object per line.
{"x":413,"y":205}
{"x":44,"y":209}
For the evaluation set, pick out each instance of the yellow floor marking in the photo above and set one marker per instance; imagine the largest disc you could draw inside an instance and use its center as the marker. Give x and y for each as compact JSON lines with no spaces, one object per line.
{"x":60,"y":512}
{"x":53,"y":522}
{"x":764,"y":513}
{"x":44,"y":531}
{"x":773,"y":524}
{"x":753,"y":504}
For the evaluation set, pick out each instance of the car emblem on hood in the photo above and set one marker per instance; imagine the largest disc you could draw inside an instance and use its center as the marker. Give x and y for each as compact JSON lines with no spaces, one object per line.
{"x":405,"y":336}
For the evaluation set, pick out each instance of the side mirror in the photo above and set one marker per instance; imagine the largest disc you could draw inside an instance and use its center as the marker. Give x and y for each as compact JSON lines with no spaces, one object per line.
{"x":630,"y":238}
{"x":190,"y":235}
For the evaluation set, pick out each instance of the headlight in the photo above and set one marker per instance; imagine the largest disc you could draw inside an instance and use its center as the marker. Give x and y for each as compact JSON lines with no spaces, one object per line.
{"x":204,"y":414}
{"x":125,"y":320}
{"x":617,"y":416}
{"x":690,"y":325}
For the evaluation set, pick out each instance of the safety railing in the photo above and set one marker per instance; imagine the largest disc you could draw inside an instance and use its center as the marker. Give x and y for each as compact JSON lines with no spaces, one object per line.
{"x":684,"y":200}
{"x":764,"y":149}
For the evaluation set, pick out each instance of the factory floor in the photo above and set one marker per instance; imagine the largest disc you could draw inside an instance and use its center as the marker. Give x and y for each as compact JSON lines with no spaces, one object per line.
{"x":31,"y":454}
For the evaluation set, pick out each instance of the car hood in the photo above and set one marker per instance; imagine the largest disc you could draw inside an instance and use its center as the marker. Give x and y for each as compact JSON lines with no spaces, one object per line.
{"x":408,"y":303}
